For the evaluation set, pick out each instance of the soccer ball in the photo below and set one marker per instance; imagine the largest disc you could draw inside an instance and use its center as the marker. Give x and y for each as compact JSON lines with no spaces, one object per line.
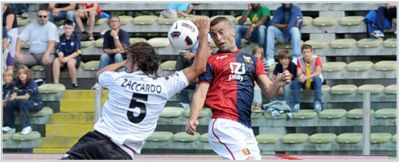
{"x":183,"y":34}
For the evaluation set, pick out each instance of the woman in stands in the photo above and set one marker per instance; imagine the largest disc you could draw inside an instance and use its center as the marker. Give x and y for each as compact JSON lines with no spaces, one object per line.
{"x":89,"y":12}
{"x":25,"y":99}
{"x":10,"y":23}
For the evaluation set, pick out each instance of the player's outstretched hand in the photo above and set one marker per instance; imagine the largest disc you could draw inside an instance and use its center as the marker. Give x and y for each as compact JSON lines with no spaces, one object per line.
{"x":203,"y":24}
{"x":191,"y":126}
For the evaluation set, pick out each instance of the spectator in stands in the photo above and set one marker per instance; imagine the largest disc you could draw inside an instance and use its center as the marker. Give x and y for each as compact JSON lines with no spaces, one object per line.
{"x":286,"y":25}
{"x":259,"y":16}
{"x":89,"y":12}
{"x":62,"y":11}
{"x":226,"y":87}
{"x":43,"y":37}
{"x":68,"y":51}
{"x":379,"y":20}
{"x":185,"y":59}
{"x":285,"y":63}
{"x":257,"y":96}
{"x":175,"y":10}
{"x":309,"y":76}
{"x":21,"y":9}
{"x":25,"y":99}
{"x":10,"y":23}
{"x":115,"y":42}
{"x":8,"y":86}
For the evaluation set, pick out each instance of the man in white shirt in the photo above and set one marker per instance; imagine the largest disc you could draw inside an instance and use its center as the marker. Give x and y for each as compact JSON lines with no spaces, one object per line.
{"x":135,"y":100}
{"x":43,"y":37}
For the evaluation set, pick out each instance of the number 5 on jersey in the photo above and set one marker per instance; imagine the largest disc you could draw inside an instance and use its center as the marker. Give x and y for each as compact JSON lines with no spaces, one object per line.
{"x":136,"y":104}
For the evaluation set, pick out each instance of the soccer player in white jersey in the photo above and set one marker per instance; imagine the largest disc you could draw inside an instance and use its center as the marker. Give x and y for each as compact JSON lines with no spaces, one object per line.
{"x":135,"y":100}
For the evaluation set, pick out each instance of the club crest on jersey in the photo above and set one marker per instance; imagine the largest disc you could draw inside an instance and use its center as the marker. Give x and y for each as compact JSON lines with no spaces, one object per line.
{"x":248,"y":59}
{"x":237,"y":71}
{"x":246,"y":151}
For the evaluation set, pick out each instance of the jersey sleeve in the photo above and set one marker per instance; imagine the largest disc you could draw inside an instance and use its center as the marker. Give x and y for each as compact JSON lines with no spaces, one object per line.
{"x":207,"y":77}
{"x":106,"y":78}
{"x":259,"y":67}
{"x":175,"y":83}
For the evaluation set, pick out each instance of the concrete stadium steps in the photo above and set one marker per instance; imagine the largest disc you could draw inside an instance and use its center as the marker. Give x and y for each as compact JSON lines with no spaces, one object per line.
{"x":82,"y":94}
{"x":58,"y":142}
{"x":68,"y":130}
{"x":79,"y":101}
{"x":50,"y":151}
{"x":72,"y":118}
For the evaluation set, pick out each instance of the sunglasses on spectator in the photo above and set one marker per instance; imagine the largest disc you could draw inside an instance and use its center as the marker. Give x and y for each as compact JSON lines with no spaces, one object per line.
{"x":42,"y":16}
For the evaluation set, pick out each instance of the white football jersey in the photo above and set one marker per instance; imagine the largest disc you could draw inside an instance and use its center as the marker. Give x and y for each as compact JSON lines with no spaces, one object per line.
{"x":135,"y":102}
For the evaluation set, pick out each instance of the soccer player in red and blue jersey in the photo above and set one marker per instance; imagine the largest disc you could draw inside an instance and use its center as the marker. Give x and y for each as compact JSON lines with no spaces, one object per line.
{"x":227,"y":88}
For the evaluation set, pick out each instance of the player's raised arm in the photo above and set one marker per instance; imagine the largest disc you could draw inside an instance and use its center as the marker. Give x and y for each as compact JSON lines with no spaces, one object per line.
{"x":199,"y":65}
{"x":269,"y":88}
{"x":111,"y":67}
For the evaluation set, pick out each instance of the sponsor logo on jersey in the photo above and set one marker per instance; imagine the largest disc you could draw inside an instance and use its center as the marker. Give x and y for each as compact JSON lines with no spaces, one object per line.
{"x":222,"y":57}
{"x":237,"y":71}
{"x":248,"y":59}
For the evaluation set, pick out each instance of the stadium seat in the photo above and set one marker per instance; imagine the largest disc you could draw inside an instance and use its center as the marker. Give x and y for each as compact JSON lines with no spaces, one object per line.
{"x":390,"y":43}
{"x":272,"y":67}
{"x":171,"y":112}
{"x":267,"y":138}
{"x":343,"y":43}
{"x":168,"y":65}
{"x":334,"y":66}
{"x":369,"y":43}
{"x":391,"y":89}
{"x":205,"y":112}
{"x":160,"y":136}
{"x":43,"y":112}
{"x":356,"y":113}
{"x":101,"y":21}
{"x":394,"y":21}
{"x":360,"y":66}
{"x":324,"y":21}
{"x":373,"y":88}
{"x":343,"y":89}
{"x":204,"y":138}
{"x":322,"y":138}
{"x":256,"y":115}
{"x":159,"y":42}
{"x":162,"y":20}
{"x":229,"y":17}
{"x":99,"y":43}
{"x":318,"y":44}
{"x":304,"y":114}
{"x":184,"y":137}
{"x":286,"y":45}
{"x":145,"y":20}
{"x":85,"y":44}
{"x":91,"y":66}
{"x":6,"y":136}
{"x":125,"y":19}
{"x":351,"y":20}
{"x":136,"y":39}
{"x":385,"y":66}
{"x":385,"y":113}
{"x":307,"y":20}
{"x":332,"y":114}
{"x":394,"y":138}
{"x":245,"y":23}
{"x":380,"y":137}
{"x":52,"y":88}
{"x":349,"y":138}
{"x":22,"y":21}
{"x":26,"y":45}
{"x":296,"y":138}
{"x":37,"y":68}
{"x":325,"y":89}
{"x":31,"y":136}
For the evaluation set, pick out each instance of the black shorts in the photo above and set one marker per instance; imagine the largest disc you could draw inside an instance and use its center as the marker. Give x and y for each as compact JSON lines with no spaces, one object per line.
{"x":96,"y":146}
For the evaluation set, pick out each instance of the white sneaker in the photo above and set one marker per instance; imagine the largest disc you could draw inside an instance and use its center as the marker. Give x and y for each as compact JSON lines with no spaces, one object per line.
{"x":317,"y":106}
{"x":380,"y":34}
{"x":294,"y":60}
{"x":8,"y":130}
{"x":185,"y":105}
{"x":270,"y":62}
{"x":26,"y":130}
{"x":296,"y":108}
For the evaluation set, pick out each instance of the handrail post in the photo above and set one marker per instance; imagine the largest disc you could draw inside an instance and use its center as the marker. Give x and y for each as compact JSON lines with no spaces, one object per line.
{"x":367,"y":122}
{"x":97,"y":101}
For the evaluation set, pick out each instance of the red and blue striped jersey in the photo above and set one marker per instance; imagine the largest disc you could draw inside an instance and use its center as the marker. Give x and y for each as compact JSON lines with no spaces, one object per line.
{"x":231,"y":77}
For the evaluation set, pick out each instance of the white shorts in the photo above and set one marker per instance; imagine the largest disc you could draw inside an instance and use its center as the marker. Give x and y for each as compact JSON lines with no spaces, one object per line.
{"x":232,"y":140}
